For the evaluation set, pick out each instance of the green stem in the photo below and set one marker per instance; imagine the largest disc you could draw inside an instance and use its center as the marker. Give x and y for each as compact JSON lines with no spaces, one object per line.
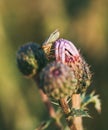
{"x":51,"y":110}
{"x":77,"y":121}
{"x":49,"y":107}
{"x":66,"y":111}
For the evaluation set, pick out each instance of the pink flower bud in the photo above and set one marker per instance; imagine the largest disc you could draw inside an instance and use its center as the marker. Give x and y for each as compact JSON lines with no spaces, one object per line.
{"x":67,"y":53}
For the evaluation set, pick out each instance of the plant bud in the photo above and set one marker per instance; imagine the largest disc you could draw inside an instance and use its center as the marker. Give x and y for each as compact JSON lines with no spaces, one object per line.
{"x":30,"y":59}
{"x":57,"y":81}
{"x":67,"y":53}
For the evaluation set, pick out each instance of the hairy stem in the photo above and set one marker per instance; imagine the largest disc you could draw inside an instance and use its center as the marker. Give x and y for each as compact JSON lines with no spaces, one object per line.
{"x":77,"y":121}
{"x":66,"y":110}
{"x":49,"y":106}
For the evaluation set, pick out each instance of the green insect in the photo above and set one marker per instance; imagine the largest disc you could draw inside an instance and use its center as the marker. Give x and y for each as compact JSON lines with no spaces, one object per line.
{"x":46,"y":46}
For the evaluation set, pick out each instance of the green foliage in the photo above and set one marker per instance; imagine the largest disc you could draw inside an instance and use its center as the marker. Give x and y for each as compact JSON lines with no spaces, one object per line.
{"x":91,"y":98}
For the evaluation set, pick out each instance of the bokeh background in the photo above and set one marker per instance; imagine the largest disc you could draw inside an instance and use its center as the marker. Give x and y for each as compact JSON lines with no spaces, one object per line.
{"x":84,"y":22}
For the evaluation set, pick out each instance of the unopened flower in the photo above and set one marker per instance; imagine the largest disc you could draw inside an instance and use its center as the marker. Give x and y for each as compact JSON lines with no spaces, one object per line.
{"x":67,"y":53}
{"x":58,"y":81}
{"x":30,"y":59}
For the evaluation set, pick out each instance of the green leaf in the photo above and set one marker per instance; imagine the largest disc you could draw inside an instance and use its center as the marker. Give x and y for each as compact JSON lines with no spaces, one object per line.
{"x":91,"y":98}
{"x":43,"y":125}
{"x":79,"y":112}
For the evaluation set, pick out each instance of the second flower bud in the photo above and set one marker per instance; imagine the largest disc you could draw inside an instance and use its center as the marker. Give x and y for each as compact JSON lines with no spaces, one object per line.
{"x":58,"y":81}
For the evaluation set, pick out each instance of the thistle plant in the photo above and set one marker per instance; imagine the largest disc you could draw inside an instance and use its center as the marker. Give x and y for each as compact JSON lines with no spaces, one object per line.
{"x":66,"y":53}
{"x":72,"y":58}
{"x":58,"y":81}
{"x":62,"y":75}
{"x":30,"y":59}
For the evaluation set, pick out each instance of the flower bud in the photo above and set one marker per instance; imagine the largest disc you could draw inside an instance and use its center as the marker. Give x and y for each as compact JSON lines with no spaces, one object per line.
{"x":30,"y":59}
{"x":67,"y":53}
{"x":57,"y":81}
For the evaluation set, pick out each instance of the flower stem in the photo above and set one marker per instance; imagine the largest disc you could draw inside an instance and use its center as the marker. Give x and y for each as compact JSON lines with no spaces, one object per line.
{"x":49,"y":107}
{"x":66,"y":111}
{"x":77,"y":121}
{"x":51,"y":110}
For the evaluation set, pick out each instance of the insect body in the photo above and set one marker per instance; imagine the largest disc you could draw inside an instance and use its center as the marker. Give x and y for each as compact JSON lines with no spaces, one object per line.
{"x":49,"y":41}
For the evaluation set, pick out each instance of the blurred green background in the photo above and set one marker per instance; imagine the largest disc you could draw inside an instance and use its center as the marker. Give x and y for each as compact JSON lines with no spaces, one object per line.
{"x":84,"y":22}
